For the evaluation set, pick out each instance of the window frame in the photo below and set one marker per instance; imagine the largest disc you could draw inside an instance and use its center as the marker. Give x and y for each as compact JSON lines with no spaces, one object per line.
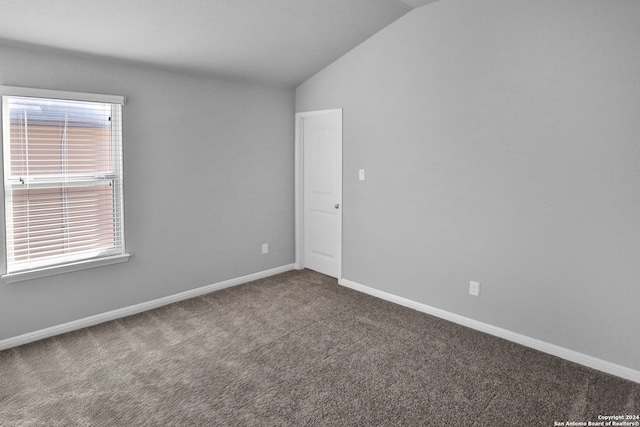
{"x":75,"y":262}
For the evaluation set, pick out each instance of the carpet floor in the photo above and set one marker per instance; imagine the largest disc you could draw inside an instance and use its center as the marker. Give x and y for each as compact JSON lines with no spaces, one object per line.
{"x":296,"y":349}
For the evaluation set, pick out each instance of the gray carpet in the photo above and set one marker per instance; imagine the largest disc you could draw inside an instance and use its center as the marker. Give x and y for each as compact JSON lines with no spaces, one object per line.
{"x":291,"y":350}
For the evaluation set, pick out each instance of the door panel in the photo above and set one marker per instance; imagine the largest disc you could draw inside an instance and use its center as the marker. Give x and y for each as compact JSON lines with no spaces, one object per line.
{"x":321,"y":154}
{"x":323,"y":242}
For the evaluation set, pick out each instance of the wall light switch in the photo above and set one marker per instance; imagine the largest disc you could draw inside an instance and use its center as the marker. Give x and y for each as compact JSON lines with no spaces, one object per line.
{"x":265,"y":248}
{"x":361,"y":174}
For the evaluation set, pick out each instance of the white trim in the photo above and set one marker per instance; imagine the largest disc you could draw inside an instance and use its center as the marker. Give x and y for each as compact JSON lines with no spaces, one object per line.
{"x":60,"y":94}
{"x":36,"y":273}
{"x":318,"y":112}
{"x":545,"y":347}
{"x":298,"y":197}
{"x":135,"y":309}
{"x":299,"y":190}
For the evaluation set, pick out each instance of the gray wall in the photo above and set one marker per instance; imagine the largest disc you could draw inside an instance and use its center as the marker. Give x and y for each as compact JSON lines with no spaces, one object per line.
{"x":208,"y":178}
{"x":501,"y":142}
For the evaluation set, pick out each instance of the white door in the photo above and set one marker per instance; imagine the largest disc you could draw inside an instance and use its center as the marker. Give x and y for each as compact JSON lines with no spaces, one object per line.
{"x":321,"y":145}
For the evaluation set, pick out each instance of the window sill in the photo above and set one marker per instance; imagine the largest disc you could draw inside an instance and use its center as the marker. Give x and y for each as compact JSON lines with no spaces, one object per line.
{"x":65,"y":268}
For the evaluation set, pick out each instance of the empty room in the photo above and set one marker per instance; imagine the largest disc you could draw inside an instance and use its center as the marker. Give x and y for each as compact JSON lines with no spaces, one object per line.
{"x":320,"y":212}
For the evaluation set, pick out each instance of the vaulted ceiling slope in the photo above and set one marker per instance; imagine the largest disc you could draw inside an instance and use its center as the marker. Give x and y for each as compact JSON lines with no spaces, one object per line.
{"x":275,"y":42}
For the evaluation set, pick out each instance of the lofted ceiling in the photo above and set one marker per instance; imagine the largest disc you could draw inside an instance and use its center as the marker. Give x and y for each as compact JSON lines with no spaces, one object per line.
{"x":275,"y":42}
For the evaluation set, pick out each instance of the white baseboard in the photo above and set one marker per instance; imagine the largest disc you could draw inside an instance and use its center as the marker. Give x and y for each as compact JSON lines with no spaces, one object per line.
{"x":135,"y":309}
{"x":573,"y":356}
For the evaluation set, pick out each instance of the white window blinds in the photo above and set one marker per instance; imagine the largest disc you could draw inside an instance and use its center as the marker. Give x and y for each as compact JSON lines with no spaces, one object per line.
{"x":62,"y":180}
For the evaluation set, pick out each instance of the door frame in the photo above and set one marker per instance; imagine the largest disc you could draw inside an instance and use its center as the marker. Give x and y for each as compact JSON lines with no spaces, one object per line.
{"x":299,"y":190}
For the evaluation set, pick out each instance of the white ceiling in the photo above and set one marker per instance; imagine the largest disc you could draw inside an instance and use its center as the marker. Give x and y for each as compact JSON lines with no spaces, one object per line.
{"x":276,"y":42}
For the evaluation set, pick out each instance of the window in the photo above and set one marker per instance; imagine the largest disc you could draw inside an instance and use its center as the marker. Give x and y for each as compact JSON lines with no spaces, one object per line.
{"x":63,"y":196}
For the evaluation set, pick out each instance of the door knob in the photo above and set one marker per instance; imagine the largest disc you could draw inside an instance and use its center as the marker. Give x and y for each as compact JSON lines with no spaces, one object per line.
{"x":337,"y":206}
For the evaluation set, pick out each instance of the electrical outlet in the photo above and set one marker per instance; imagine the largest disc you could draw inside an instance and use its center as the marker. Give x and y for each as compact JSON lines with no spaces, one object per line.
{"x":265,"y":248}
{"x":474,"y":288}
